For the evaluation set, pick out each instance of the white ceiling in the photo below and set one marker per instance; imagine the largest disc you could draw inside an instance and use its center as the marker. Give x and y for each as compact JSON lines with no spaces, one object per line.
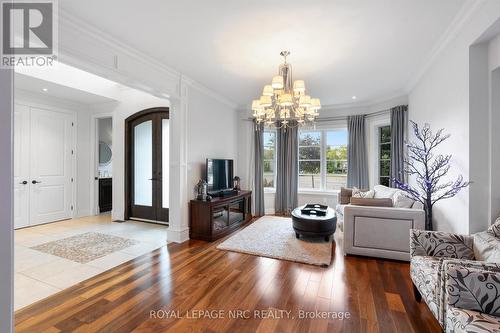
{"x":367,"y":48}
{"x":35,"y":85}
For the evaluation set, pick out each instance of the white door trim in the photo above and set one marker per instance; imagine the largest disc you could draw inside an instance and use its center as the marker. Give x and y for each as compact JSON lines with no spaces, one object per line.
{"x":94,"y":160}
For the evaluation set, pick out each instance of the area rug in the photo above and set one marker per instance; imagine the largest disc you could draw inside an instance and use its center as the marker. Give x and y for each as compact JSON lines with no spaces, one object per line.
{"x":85,"y":247}
{"x":273,"y":237}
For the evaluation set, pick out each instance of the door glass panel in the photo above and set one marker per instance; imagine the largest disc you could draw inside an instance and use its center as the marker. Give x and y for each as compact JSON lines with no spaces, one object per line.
{"x":143,"y":164}
{"x":164,"y":162}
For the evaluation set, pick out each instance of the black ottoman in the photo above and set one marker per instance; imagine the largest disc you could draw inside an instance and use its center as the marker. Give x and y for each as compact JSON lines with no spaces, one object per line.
{"x":314,"y":226}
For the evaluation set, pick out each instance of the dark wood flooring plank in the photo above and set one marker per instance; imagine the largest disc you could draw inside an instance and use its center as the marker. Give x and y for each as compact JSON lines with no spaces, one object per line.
{"x":196,"y":276}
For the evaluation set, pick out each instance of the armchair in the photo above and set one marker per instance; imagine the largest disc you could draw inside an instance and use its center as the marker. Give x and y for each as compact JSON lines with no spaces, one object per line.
{"x":461,"y":292}
{"x":472,"y":296}
{"x":428,"y":250}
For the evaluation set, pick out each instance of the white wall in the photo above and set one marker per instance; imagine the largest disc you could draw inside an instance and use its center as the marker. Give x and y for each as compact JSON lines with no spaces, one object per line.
{"x":441,"y":98}
{"x":212,"y":133}
{"x":6,"y":202}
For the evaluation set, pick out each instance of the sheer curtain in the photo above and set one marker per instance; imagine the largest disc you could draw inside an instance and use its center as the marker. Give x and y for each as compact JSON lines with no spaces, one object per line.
{"x":287,"y":169}
{"x":357,"y":166}
{"x":399,"y":122}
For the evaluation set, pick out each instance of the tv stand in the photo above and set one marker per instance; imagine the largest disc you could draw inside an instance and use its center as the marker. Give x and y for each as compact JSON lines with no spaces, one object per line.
{"x":211,"y":220}
{"x":223,"y":193}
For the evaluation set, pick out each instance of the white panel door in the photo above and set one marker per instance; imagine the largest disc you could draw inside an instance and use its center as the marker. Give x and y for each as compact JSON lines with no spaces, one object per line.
{"x":21,"y":165}
{"x":50,"y":166}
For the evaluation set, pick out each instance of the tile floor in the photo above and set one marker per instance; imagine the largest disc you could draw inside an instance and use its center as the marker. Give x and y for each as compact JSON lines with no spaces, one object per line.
{"x":39,"y":275}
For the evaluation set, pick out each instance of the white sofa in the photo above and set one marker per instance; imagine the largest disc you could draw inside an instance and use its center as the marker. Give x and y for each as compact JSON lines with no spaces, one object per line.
{"x":379,"y":231}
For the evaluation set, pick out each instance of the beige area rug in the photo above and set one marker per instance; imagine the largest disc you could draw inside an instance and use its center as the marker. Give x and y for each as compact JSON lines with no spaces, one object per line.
{"x":273,"y":237}
{"x":85,"y":247}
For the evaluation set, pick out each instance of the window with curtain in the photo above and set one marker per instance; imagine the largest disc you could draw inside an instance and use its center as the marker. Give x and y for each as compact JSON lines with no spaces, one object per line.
{"x":384,"y":155}
{"x":322,"y":159}
{"x":269,"y":159}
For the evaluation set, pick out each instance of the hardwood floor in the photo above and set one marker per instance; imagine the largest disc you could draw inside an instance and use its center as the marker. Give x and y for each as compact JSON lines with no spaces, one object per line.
{"x":148,"y":293}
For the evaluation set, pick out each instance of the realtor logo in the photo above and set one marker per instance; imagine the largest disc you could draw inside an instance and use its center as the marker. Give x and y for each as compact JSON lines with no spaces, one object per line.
{"x":28,"y":33}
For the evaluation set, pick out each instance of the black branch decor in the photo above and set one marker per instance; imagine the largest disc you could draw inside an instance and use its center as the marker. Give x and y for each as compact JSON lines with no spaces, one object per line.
{"x":428,"y":171}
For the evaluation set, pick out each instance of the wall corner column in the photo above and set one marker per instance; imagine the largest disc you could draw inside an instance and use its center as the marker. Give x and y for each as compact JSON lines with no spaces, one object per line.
{"x":178,"y":230}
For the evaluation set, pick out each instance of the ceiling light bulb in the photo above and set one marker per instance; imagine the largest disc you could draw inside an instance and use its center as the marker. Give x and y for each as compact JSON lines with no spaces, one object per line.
{"x":277,"y":82}
{"x":353,"y":97}
{"x":268,"y":90}
{"x":45,"y":89}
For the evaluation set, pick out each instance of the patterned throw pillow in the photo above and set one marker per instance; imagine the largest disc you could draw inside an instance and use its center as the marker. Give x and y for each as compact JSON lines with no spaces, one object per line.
{"x":494,"y":229}
{"x":357,"y":193}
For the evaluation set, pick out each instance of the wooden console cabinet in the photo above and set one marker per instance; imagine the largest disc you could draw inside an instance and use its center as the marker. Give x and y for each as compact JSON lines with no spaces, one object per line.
{"x":210,"y":220}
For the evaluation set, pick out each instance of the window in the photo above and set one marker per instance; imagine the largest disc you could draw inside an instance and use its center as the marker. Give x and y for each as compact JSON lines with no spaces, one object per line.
{"x":384,"y":155}
{"x":310,"y":160}
{"x":269,"y":158}
{"x":336,"y":159}
{"x":322,"y":159}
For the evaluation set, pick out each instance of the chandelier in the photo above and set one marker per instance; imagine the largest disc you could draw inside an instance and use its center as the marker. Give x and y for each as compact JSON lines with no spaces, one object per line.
{"x":284,"y":102}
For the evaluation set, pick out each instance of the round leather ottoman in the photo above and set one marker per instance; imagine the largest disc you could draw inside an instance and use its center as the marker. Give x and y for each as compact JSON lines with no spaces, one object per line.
{"x":314,"y":226}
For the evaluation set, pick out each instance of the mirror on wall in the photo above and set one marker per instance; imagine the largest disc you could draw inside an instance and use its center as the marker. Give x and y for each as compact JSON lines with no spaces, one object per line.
{"x":105,"y":153}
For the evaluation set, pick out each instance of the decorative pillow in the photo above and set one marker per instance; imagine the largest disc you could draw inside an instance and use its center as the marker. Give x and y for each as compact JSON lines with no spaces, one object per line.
{"x":357,"y":193}
{"x":400,"y":200}
{"x":345,"y":195}
{"x":486,"y":247}
{"x":494,"y":229}
{"x":382,"y":191}
{"x":381,"y":202}
{"x":417,"y":205}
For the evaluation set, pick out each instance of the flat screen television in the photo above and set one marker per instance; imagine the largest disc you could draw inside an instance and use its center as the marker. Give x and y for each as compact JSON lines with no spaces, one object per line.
{"x":219,"y":174}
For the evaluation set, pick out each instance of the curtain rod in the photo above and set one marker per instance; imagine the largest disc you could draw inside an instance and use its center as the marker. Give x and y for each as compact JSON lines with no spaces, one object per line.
{"x":337,"y":118}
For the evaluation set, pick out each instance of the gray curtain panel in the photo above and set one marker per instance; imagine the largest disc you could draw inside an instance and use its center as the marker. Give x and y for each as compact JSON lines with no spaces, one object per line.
{"x":357,"y":166}
{"x":287,"y":169}
{"x":259,"y":170}
{"x":399,"y":122}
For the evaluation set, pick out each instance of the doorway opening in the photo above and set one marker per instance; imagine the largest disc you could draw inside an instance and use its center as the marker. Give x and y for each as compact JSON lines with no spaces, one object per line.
{"x":104,"y":164}
{"x":146,"y":165}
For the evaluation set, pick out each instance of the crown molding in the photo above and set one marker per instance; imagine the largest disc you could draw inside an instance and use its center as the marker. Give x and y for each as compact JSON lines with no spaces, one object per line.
{"x":82,"y":27}
{"x":453,"y":29}
{"x":398,"y":94}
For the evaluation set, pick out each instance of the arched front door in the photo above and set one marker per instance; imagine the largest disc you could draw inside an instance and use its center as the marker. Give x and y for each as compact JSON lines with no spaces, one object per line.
{"x":146,"y":165}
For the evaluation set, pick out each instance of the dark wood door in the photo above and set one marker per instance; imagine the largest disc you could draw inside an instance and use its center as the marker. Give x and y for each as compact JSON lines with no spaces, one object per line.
{"x":105,"y":194}
{"x":145,"y":165}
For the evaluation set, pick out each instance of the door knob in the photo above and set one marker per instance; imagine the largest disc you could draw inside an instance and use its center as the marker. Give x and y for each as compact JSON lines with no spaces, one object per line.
{"x":24,"y":182}
{"x":34,"y":182}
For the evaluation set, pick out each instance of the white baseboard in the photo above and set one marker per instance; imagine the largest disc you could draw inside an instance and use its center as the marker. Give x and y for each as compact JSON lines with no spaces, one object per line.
{"x":177,"y":236}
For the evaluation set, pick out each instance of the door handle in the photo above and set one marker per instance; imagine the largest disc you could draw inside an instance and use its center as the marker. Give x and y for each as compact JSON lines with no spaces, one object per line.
{"x":24,"y":182}
{"x":35,"y":182}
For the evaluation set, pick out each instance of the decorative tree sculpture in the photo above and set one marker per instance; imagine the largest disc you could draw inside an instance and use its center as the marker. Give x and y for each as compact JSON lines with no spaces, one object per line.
{"x":428,"y":171}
